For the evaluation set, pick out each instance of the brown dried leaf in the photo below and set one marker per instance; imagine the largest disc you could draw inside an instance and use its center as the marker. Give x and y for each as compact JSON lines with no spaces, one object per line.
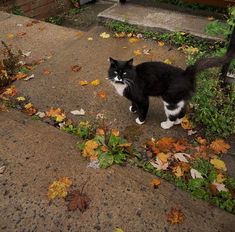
{"x":77,"y":200}
{"x":155,"y":182}
{"x":219,"y":146}
{"x":76,"y":68}
{"x":175,"y":216}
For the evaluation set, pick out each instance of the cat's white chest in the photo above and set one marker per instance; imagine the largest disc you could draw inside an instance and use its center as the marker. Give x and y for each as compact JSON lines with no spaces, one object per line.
{"x":119,"y":88}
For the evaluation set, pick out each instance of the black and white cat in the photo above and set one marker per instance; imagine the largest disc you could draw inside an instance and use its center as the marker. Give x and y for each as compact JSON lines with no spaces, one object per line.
{"x":174,"y":85}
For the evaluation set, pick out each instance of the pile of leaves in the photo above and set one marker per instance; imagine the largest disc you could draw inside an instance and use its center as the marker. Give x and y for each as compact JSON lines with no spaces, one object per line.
{"x":196,"y":167}
{"x":104,"y":147}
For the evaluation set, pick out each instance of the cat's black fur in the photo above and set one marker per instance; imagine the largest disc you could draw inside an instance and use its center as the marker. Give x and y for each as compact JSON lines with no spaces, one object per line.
{"x":175,"y":85}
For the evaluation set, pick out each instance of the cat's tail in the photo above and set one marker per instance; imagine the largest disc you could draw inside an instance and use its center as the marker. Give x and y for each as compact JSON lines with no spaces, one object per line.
{"x":210,"y":62}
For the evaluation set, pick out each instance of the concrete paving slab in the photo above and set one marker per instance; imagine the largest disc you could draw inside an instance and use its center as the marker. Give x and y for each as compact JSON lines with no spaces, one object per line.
{"x":158,"y":19}
{"x":36,"y":154}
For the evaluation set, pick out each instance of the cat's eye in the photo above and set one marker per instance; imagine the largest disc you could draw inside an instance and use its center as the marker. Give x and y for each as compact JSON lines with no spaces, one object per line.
{"x":115,"y":72}
{"x":124,"y":73}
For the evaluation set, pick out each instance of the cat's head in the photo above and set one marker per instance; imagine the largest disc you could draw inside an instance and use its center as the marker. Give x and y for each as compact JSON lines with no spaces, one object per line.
{"x":121,"y":71}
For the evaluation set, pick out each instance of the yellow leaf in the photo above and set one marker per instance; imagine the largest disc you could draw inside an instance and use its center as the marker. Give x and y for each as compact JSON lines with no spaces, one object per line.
{"x":104,"y":35}
{"x":133,"y":40}
{"x":163,"y":157}
{"x":118,"y":230}
{"x":95,"y":82}
{"x":220,"y":178}
{"x":57,"y":114}
{"x":27,"y":106}
{"x":89,"y":149}
{"x":155,"y":182}
{"x":167,"y":61}
{"x":89,"y":38}
{"x":186,"y":124}
{"x":120,"y":35}
{"x":210,"y":18}
{"x":160,"y":43}
{"x":218,"y":164}
{"x":83,"y":82}
{"x":10,"y":36}
{"x":11,"y":91}
{"x":137,"y":52}
{"x":219,"y":146}
{"x":60,"y":118}
{"x":129,"y":35}
{"x":177,"y":170}
{"x":20,"y":98}
{"x":59,"y":188}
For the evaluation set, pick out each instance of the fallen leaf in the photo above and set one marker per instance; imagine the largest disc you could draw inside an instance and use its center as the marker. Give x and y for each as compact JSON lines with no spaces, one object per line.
{"x":129,"y":35}
{"x":20,"y":98}
{"x":90,"y":148}
{"x":120,"y":34}
{"x":186,"y":124}
{"x":137,"y":52}
{"x":201,"y":141}
{"x":155,"y":182}
{"x":220,"y":187}
{"x":167,"y":61}
{"x":78,"y":112}
{"x":95,"y":82}
{"x":220,"y":178}
{"x":191,"y":132}
{"x":77,"y":200}
{"x":26,"y":53}
{"x":125,"y":145}
{"x":115,"y":132}
{"x":89,"y":38}
{"x":83,"y":82}
{"x":159,"y":165}
{"x":218,"y":164}
{"x":182,"y":157}
{"x":76,"y":68}
{"x":102,"y":94}
{"x":100,"y":131}
{"x":46,"y":72}
{"x":21,"y":34}
{"x":177,"y":170}
{"x":139,"y":36}
{"x":219,"y":146}
{"x":165,"y":143}
{"x":163,"y":157}
{"x":57,"y":114}
{"x":10,"y":36}
{"x":11,"y":91}
{"x":118,"y":230}
{"x":195,"y":174}
{"x":175,"y":216}
{"x":104,"y":35}
{"x":133,"y":40}
{"x":210,"y":18}
{"x":160,"y":43}
{"x":146,"y":51}
{"x":20,"y":76}
{"x":27,"y":106}
{"x":59,"y":188}
{"x":41,"y":114}
{"x":180,"y":145}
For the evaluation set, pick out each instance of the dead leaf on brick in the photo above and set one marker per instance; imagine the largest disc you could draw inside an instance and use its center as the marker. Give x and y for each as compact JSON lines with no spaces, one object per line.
{"x":102,"y":94}
{"x":46,"y":72}
{"x":20,"y":76}
{"x":155,"y":182}
{"x":133,"y":40}
{"x":21,"y":34}
{"x":83,"y":82}
{"x":76,"y":68}
{"x":95,"y":82}
{"x":77,"y":200}
{"x":219,"y":146}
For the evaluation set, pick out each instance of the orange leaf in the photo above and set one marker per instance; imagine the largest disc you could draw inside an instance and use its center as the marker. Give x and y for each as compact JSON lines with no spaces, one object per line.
{"x":201,"y":141}
{"x":165,"y":143}
{"x":115,"y":132}
{"x":90,"y":148}
{"x":100,"y":131}
{"x":133,"y":40}
{"x":20,"y":76}
{"x":160,"y":43}
{"x":11,"y":91}
{"x":155,"y":182}
{"x":46,"y":72}
{"x":104,"y":149}
{"x":102,"y":94}
{"x":186,"y":124}
{"x":177,"y":170}
{"x":219,"y":146}
{"x":21,"y":34}
{"x":175,"y":216}
{"x":210,"y":18}
{"x":163,"y":157}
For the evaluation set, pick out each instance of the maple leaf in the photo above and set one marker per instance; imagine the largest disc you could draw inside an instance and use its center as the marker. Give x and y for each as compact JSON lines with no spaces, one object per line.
{"x":219,"y":146}
{"x":133,"y":40}
{"x":95,"y":82}
{"x":59,"y":188}
{"x":165,"y":143}
{"x":137,"y":52}
{"x":102,"y":94}
{"x":77,"y":200}
{"x":57,"y":114}
{"x":76,"y":68}
{"x":163,"y":157}
{"x":175,"y":216}
{"x":218,"y":164}
{"x":155,"y":182}
{"x":104,"y":35}
{"x":90,"y":148}
{"x":180,"y":145}
{"x":83,"y":82}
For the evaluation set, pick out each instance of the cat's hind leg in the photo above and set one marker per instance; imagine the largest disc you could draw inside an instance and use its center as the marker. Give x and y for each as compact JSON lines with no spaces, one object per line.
{"x":143,"y":107}
{"x":173,"y":113}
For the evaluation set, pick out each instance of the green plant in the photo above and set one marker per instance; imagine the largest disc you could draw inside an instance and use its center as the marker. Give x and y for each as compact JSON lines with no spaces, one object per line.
{"x":17,"y":10}
{"x":58,"y":19}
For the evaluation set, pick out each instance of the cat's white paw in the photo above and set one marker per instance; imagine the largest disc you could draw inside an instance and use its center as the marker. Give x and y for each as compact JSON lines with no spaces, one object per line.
{"x":130,"y":109}
{"x":167,"y":124}
{"x":177,"y":121}
{"x":137,"y":120}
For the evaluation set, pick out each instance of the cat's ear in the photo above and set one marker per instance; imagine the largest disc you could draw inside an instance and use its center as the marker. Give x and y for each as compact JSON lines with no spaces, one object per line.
{"x":112,"y":61}
{"x":130,"y":62}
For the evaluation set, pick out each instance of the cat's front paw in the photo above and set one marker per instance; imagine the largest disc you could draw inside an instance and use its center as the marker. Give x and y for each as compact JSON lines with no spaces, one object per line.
{"x":167,"y":124}
{"x":132,"y":110}
{"x":137,"y":120}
